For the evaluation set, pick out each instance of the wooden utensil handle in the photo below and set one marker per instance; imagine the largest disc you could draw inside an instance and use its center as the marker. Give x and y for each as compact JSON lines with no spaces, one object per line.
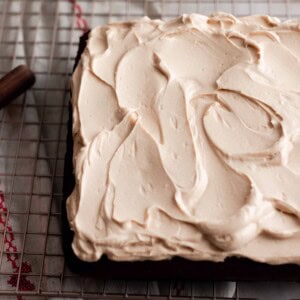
{"x":15,"y":83}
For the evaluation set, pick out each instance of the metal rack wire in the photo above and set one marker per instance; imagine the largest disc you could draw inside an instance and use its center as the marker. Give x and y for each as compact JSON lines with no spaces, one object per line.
{"x":44,"y":34}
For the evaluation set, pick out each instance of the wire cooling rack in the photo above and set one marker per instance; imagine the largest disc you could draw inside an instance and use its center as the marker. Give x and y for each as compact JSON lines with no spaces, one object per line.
{"x":44,"y":35}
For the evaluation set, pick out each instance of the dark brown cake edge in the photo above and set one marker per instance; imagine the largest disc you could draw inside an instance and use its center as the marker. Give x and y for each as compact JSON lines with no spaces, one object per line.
{"x":235,"y":269}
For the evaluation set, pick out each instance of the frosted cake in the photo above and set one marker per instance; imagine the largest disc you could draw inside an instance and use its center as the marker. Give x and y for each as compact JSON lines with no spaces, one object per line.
{"x":186,"y":140}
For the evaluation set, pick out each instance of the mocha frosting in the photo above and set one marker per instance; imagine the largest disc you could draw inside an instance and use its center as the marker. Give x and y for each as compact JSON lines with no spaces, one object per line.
{"x":187,"y":140}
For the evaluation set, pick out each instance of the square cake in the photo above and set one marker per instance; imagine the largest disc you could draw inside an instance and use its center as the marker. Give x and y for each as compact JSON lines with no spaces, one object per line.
{"x":187,"y":140}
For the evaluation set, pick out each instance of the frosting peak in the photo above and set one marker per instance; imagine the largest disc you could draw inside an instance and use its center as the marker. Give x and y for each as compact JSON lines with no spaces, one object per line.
{"x":187,"y":139}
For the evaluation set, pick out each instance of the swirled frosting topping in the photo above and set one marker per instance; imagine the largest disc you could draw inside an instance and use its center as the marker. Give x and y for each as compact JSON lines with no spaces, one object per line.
{"x":187,"y":140}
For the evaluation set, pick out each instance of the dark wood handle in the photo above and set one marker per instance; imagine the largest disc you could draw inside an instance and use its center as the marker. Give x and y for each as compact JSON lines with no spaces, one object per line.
{"x":15,"y":83}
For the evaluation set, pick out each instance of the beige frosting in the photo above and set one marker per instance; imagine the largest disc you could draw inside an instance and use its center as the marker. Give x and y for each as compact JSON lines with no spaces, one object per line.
{"x":187,"y":140}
